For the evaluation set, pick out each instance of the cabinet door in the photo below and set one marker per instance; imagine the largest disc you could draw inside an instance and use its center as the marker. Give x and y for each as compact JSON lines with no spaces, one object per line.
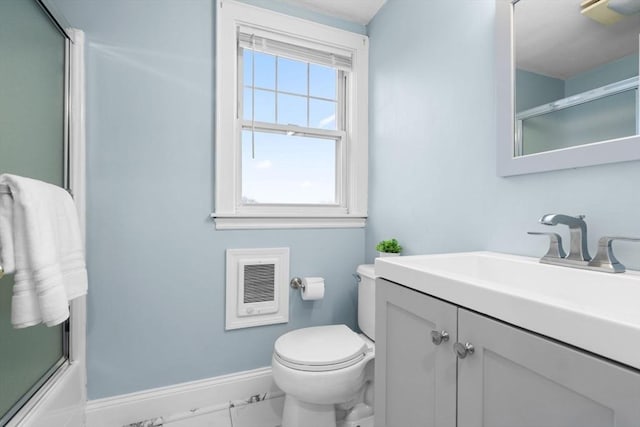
{"x":415,"y":378}
{"x":515,"y":378}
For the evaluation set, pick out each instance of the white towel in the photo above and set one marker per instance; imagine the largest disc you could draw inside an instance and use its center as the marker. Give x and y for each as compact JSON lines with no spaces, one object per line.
{"x":6,"y":231}
{"x":47,"y":250}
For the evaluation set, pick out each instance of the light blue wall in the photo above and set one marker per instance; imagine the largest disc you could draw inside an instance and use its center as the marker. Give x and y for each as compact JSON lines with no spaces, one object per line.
{"x":156,"y":263}
{"x":299,"y":12}
{"x":433,"y":182}
{"x":533,"y":89}
{"x":611,"y":72}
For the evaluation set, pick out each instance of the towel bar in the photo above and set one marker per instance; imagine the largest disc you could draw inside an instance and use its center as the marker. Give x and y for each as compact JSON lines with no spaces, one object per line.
{"x":4,"y":189}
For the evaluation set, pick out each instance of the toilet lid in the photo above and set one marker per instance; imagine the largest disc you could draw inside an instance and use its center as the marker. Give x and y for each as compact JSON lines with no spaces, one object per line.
{"x":320,"y":348}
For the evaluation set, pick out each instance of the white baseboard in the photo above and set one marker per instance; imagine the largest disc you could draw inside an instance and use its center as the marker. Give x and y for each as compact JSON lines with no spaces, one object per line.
{"x":125,"y":409}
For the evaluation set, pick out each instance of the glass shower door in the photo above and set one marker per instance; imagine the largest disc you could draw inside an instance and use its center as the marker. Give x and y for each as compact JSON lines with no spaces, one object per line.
{"x":32,"y":143}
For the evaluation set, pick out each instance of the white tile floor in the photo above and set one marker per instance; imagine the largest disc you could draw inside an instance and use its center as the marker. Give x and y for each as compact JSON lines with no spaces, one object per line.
{"x":267,"y":413}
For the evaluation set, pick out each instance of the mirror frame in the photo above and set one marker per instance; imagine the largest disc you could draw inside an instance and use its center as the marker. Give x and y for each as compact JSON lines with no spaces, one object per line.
{"x":610,"y":151}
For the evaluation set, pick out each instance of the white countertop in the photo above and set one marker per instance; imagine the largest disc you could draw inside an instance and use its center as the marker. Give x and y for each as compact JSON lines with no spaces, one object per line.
{"x":598,"y":312}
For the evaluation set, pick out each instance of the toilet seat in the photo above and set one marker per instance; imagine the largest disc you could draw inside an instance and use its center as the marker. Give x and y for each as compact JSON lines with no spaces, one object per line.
{"x":320,"y":348}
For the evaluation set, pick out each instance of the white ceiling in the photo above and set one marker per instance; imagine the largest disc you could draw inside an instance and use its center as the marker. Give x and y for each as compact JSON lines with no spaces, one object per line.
{"x":359,"y":11}
{"x":554,"y":39}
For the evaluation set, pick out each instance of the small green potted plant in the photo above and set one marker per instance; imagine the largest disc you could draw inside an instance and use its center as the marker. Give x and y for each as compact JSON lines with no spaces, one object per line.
{"x":389,"y":247}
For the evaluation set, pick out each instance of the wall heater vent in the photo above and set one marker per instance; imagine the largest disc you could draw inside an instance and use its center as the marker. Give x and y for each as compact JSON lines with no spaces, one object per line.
{"x":257,"y":287}
{"x":259,"y":283}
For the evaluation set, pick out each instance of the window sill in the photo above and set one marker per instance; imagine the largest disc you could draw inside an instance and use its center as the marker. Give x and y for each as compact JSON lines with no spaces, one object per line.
{"x":240,"y":222}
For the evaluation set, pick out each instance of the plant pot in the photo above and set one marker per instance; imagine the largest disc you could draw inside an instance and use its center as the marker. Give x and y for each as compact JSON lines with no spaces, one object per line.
{"x":386,"y":254}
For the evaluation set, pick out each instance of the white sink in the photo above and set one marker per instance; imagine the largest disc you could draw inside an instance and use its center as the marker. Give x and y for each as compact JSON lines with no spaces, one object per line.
{"x":598,"y":312}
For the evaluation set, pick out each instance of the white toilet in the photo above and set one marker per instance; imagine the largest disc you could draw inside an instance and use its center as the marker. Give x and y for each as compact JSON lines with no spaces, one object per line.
{"x":327,"y":368}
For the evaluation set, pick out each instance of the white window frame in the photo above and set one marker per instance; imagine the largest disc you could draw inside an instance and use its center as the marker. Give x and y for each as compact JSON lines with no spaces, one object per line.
{"x":351,"y":170}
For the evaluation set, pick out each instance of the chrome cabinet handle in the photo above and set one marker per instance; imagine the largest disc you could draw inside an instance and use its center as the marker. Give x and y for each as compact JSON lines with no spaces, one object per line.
{"x":463,"y":350}
{"x":437,"y":337}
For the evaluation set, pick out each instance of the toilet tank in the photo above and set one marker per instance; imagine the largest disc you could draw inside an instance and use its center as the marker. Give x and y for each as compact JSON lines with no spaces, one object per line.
{"x":367,"y":300}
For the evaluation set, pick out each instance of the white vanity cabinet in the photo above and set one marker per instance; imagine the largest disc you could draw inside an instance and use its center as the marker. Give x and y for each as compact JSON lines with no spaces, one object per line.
{"x":513,"y":378}
{"x":415,"y":379}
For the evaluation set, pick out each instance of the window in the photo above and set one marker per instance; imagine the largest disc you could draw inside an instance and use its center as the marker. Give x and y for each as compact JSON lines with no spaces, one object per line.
{"x":291,"y":122}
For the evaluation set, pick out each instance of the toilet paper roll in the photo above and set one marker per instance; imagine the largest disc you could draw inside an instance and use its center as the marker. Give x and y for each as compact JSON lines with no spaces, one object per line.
{"x":313,"y":288}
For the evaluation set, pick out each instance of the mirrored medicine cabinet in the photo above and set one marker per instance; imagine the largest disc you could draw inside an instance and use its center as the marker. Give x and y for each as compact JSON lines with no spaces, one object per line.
{"x":567,"y":83}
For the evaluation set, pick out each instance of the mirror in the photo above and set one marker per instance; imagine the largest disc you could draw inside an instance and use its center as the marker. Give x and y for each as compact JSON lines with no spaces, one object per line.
{"x":567,"y":83}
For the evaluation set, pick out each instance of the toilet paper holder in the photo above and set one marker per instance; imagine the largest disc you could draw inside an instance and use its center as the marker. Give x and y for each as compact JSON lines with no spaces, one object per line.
{"x":311,"y":288}
{"x":297,"y":283}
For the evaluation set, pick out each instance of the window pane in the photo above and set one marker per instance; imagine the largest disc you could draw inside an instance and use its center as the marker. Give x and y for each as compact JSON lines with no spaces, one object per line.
{"x":322,"y":114}
{"x":292,"y":110}
{"x":292,"y":76}
{"x":288,"y":169}
{"x":246,"y":103}
{"x":265,"y":72}
{"x":265,"y":108}
{"x":322,"y":81}
{"x":247,"y":60}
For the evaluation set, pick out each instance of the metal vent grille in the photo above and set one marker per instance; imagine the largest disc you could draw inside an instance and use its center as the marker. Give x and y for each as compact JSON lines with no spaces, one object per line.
{"x":259,"y":283}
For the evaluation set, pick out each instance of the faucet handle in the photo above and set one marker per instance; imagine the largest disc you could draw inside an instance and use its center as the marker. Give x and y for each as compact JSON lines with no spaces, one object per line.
{"x":555,"y":244}
{"x":605,"y":259}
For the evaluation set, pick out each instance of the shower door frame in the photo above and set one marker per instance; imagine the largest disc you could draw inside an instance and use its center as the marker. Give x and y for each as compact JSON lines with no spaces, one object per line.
{"x":61,"y":398}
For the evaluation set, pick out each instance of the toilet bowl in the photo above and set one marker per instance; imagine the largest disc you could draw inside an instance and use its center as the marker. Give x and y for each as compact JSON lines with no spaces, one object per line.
{"x":324,"y":367}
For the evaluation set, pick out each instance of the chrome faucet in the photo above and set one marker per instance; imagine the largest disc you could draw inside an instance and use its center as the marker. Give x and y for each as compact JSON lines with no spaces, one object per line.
{"x":578,"y":256}
{"x":578,"y":250}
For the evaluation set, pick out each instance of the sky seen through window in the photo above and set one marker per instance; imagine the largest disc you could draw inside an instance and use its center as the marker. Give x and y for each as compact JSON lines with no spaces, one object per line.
{"x":288,"y":169}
